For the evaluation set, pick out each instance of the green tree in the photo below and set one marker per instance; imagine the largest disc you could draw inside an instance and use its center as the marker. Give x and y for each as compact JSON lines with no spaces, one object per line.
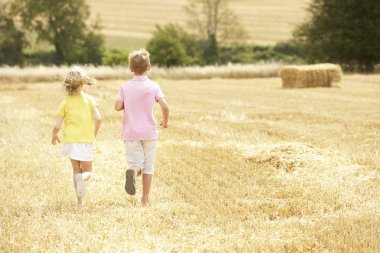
{"x":344,"y":32}
{"x":172,"y":46}
{"x":12,"y":40}
{"x":215,"y":24}
{"x":63,"y":24}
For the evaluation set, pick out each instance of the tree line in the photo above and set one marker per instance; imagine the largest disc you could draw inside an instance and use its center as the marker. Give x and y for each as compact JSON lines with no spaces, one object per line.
{"x":61,"y":24}
{"x":343,"y":32}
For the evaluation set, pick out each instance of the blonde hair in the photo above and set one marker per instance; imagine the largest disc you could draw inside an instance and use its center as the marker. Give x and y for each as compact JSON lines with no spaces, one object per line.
{"x":139,"y":61}
{"x":75,"y":79}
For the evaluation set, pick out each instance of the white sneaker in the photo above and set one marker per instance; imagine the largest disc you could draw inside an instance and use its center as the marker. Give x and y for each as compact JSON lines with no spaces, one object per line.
{"x":81,"y":187}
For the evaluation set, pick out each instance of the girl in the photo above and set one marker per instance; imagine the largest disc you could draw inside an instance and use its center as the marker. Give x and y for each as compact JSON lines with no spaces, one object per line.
{"x":81,"y":118}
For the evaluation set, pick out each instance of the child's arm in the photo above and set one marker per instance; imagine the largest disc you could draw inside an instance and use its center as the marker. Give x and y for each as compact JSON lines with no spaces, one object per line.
{"x":98,"y":120}
{"x":165,"y":112}
{"x":119,"y":106}
{"x":56,"y":128}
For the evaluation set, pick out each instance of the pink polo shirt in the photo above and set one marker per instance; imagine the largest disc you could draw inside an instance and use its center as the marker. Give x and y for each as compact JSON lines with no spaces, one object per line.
{"x":138,"y":96}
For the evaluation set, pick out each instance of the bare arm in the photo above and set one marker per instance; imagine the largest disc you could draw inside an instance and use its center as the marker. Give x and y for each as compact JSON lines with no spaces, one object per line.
{"x":165,"y":112}
{"x":119,"y":106}
{"x":98,"y":120}
{"x":58,"y":123}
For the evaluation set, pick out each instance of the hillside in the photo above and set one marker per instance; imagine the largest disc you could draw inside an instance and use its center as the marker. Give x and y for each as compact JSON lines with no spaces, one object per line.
{"x":133,"y":21}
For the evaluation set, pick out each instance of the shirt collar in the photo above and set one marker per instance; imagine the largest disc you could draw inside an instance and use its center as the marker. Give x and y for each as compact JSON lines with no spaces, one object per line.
{"x":140,"y":78}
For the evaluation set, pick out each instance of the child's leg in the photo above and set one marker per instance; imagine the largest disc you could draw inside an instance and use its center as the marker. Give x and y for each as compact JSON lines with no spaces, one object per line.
{"x":86,"y":168}
{"x":147,"y":182}
{"x":135,"y":157}
{"x":136,"y":169}
{"x":149,"y":155}
{"x":76,"y":171}
{"x":134,"y":153}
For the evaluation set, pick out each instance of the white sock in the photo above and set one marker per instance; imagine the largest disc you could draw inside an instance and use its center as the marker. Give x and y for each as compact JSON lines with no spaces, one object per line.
{"x":81,"y":187}
{"x":86,"y":175}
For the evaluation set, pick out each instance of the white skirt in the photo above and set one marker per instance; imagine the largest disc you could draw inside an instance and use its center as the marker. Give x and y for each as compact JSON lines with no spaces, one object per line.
{"x":77,"y":151}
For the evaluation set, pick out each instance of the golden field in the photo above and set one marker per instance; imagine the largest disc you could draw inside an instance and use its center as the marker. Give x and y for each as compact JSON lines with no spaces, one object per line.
{"x":129,"y":24}
{"x":245,"y":166}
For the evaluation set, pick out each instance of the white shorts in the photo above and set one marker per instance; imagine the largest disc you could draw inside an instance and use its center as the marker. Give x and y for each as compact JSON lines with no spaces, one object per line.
{"x":141,"y":154}
{"x":77,"y":151}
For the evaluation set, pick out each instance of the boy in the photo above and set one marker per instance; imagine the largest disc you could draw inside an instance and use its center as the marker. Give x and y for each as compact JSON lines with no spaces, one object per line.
{"x":136,"y":97}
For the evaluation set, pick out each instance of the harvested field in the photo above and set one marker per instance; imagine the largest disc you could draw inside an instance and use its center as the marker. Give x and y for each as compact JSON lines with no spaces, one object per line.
{"x":244,"y":166}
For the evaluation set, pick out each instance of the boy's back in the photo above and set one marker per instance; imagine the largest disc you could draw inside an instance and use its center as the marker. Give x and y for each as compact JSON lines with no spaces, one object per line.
{"x":138,"y":96}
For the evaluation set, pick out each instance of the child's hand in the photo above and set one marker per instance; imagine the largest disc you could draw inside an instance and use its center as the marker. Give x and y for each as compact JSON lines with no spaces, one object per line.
{"x":164,"y":124}
{"x":55,"y":139}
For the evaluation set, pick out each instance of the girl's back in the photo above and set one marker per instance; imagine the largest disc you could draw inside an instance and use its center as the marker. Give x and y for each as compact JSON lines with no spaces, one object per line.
{"x":77,"y":111}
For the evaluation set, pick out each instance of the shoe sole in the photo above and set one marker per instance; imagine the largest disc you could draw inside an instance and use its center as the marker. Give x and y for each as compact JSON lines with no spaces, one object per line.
{"x":130,"y":183}
{"x":81,"y":188}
